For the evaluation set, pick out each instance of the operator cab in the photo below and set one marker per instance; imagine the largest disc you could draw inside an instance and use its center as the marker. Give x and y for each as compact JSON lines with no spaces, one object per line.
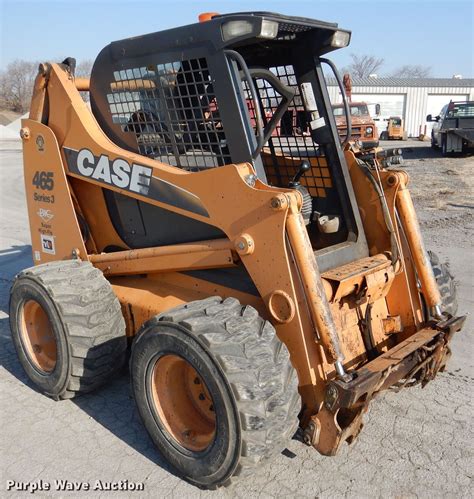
{"x":243,"y":87}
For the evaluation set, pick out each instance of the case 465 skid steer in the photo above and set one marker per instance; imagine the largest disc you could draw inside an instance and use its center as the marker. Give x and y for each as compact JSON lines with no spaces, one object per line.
{"x":263,"y":280}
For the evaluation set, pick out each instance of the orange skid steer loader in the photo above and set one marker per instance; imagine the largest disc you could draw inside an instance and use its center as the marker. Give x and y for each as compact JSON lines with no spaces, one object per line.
{"x":258,"y":281}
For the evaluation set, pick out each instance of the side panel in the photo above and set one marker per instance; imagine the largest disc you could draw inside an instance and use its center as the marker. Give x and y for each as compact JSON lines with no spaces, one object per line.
{"x":55,"y":231}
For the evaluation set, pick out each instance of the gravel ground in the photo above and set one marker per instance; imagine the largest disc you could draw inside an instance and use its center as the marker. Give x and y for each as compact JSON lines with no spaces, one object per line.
{"x":417,"y":443}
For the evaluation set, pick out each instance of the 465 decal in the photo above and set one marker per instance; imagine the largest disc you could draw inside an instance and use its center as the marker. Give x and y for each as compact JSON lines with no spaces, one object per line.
{"x":44,"y":180}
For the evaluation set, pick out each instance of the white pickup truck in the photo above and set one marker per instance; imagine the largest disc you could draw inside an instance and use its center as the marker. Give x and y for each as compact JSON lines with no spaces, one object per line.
{"x":453,"y":129}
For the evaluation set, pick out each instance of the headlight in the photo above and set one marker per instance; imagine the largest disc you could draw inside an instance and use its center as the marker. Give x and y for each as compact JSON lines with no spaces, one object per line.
{"x":236,"y":29}
{"x":368,"y":131}
{"x":340,"y":39}
{"x":269,"y":29}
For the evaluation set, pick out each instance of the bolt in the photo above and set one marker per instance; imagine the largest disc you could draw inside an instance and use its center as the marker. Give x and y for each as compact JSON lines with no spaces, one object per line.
{"x":197,"y":381}
{"x":201,"y":396}
{"x":241,"y":245}
{"x":25,"y":133}
{"x":331,"y":396}
{"x":279,"y":202}
{"x":276,"y":203}
{"x":211,"y":408}
{"x":332,"y":391}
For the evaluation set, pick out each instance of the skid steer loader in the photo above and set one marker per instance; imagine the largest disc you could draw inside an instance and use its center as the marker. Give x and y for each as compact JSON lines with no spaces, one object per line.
{"x":262,"y":280}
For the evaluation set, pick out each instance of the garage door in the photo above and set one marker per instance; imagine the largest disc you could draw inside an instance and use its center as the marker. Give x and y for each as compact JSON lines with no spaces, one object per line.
{"x":437,"y":101}
{"x":390,"y":104}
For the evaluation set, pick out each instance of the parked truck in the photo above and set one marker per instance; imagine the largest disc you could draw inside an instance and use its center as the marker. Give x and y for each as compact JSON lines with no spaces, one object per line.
{"x":363,"y":125}
{"x":453,"y":130}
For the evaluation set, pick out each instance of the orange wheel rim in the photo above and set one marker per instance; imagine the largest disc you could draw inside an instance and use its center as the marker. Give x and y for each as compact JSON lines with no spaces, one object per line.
{"x":38,"y":337}
{"x":183,"y":403}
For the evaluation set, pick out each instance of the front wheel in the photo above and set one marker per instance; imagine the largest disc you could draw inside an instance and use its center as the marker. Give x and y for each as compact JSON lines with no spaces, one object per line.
{"x":215,"y":389}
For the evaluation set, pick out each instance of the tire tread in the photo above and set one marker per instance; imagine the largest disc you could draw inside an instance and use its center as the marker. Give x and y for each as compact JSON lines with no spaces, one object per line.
{"x":257,"y":367}
{"x":91,"y":316}
{"x":446,"y":284}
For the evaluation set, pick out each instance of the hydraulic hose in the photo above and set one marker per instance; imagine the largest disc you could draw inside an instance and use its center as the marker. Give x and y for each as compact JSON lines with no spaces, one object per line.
{"x":386,"y":214}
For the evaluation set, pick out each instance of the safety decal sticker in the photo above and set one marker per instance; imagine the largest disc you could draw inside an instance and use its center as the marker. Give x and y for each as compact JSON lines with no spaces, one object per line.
{"x":47,"y":244}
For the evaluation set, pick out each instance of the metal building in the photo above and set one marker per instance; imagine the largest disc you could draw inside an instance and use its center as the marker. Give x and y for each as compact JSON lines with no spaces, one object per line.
{"x":411,"y":98}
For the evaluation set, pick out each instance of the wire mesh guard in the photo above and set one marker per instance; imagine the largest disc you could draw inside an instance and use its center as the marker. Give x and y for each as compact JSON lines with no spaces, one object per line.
{"x":291,"y":140}
{"x":173,"y":113}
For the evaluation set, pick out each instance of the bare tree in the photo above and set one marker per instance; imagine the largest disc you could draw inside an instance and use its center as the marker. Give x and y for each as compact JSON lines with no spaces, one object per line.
{"x":16,"y":85}
{"x":84,"y":68}
{"x":364,"y":65}
{"x":412,"y":71}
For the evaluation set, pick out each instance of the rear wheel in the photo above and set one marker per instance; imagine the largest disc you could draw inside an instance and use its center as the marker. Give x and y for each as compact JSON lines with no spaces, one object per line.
{"x":67,"y":327}
{"x":444,"y":145}
{"x":215,"y":389}
{"x":434,"y":145}
{"x":446,"y":284}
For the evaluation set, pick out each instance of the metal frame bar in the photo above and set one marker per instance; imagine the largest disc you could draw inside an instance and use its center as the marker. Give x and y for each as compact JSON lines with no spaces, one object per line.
{"x":191,"y":256}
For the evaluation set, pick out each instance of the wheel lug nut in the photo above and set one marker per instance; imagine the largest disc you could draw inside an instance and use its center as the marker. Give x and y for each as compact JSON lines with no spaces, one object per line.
{"x":211,"y":408}
{"x":197,"y":381}
{"x":201,"y":396}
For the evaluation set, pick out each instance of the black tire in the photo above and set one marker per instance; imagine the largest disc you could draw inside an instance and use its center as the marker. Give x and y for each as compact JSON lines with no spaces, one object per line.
{"x":434,"y":145}
{"x":248,"y":375}
{"x":446,"y":284}
{"x":85,"y":320}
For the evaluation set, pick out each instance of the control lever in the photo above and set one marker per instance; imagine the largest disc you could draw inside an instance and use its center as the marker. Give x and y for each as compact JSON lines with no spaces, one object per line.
{"x":304,"y":167}
{"x":307,"y":206}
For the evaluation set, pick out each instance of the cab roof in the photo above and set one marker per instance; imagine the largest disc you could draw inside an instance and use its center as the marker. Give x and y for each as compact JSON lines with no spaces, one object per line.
{"x":211,"y":32}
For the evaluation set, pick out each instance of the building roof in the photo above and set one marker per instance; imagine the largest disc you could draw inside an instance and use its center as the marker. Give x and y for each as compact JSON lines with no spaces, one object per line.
{"x":408,"y":82}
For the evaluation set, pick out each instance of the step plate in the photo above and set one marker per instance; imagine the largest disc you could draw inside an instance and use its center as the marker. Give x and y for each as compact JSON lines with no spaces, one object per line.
{"x":358,"y":268}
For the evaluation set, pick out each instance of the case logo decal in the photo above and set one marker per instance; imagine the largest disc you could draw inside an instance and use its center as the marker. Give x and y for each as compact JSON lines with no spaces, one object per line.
{"x":131,"y":177}
{"x":117,"y":172}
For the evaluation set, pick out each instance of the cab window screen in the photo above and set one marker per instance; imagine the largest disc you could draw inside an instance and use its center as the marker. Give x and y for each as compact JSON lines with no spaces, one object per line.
{"x":172,"y":112}
{"x":291,"y":140}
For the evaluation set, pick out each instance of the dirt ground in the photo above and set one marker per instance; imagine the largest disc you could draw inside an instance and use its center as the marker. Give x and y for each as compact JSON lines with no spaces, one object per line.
{"x":417,"y":443}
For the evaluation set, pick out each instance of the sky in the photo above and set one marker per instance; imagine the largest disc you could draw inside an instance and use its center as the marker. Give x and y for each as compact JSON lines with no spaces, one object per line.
{"x":435,"y":33}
